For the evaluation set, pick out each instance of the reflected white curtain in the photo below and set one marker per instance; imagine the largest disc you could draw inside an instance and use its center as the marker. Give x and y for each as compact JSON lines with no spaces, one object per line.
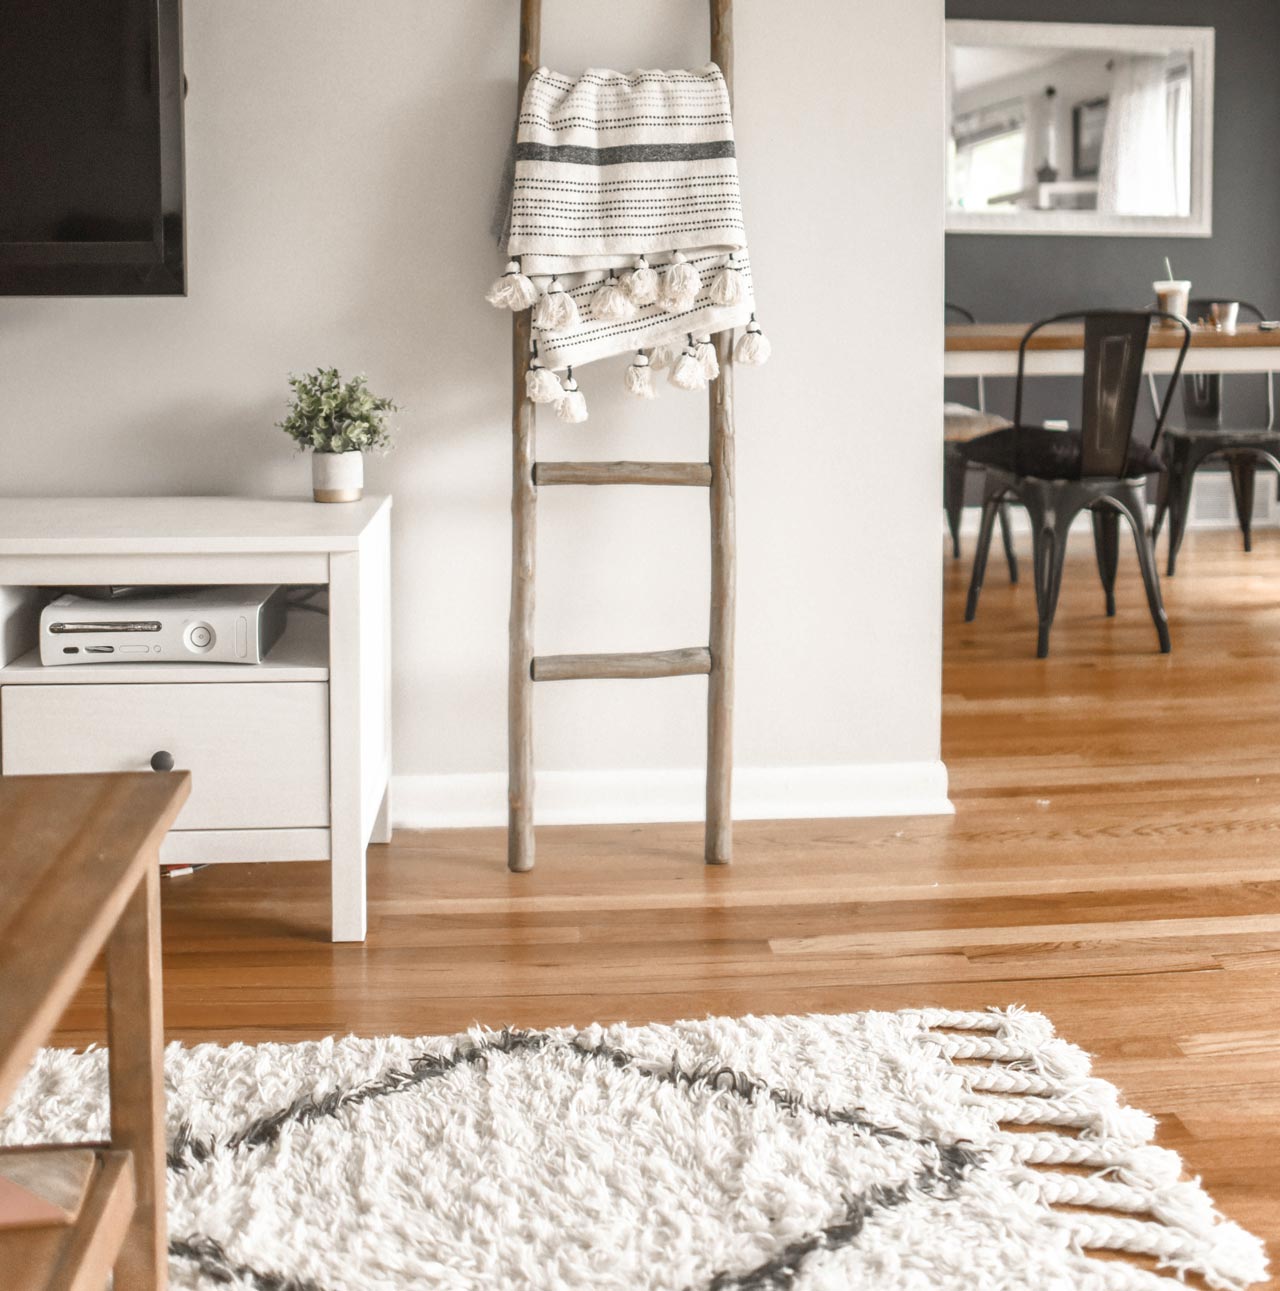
{"x":1136,"y":173}
{"x":1180,"y":132}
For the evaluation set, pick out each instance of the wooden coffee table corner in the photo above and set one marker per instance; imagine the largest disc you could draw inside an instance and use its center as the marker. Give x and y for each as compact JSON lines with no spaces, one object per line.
{"x":79,"y":872}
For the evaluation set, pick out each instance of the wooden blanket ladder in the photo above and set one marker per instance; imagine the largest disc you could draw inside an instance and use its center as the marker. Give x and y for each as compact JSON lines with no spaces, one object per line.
{"x":528,"y":475}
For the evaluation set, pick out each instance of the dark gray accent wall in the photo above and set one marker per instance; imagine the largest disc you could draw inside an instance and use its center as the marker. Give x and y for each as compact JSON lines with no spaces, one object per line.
{"x":1014,"y":279}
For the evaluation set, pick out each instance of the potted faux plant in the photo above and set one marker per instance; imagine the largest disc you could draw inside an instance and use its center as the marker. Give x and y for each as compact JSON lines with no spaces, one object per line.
{"x":338,"y":420}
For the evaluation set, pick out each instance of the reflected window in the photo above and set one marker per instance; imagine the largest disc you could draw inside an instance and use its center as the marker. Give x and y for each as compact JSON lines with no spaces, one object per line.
{"x":988,"y":155}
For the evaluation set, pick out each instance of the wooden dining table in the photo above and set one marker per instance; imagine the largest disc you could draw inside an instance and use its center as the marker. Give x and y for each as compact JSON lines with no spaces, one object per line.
{"x":991,"y":350}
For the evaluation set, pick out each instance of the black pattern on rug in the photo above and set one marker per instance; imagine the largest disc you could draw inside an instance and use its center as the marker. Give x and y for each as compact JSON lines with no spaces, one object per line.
{"x":186,"y":1150}
{"x":219,"y":1267}
{"x":779,"y":1273}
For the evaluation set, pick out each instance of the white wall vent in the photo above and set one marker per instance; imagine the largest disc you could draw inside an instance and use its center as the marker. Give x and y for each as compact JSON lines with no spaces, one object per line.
{"x":1213,"y":505}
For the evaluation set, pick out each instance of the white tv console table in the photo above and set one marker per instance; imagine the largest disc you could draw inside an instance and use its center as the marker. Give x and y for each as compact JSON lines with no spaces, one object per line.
{"x":290,"y":758}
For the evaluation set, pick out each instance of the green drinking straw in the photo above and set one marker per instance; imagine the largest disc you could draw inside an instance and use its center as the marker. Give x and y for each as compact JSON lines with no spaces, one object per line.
{"x":1168,"y":268}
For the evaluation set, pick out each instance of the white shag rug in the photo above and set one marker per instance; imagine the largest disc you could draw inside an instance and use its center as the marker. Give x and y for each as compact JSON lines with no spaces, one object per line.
{"x":752,"y":1154}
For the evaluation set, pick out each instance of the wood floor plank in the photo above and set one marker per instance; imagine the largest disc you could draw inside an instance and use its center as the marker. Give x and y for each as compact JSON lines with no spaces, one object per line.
{"x":856,"y":944}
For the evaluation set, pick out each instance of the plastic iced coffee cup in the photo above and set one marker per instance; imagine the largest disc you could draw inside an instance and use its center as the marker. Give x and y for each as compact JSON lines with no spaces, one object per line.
{"x":1172,"y":296}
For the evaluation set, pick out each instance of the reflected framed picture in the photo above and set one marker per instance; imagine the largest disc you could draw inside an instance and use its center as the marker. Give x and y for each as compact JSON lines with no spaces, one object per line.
{"x":1088,"y":120}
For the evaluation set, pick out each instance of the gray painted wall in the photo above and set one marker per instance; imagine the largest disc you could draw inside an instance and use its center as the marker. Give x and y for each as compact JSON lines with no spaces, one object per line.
{"x":1013,"y":279}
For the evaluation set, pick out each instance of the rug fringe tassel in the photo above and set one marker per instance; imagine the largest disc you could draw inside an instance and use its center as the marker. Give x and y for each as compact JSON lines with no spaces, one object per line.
{"x":1034,"y":1078}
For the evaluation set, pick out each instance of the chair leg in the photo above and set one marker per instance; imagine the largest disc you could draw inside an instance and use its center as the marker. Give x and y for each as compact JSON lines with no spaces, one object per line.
{"x":1050,"y":555}
{"x":1133,"y":505}
{"x":1162,"y":492}
{"x":1242,"y":471}
{"x":1106,"y":543}
{"x":953,"y":478}
{"x":1181,"y":472}
{"x":990,"y":505}
{"x":1006,"y":536}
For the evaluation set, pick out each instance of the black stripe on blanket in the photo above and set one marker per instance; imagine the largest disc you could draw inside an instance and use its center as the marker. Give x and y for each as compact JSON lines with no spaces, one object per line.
{"x":627,"y":154}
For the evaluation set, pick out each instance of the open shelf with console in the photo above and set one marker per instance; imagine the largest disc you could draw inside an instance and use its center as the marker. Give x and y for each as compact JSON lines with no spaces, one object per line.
{"x":290,"y":757}
{"x":301,"y":654}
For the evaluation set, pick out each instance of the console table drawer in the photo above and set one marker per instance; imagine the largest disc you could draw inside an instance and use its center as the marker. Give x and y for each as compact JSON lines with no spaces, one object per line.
{"x":258,"y":752}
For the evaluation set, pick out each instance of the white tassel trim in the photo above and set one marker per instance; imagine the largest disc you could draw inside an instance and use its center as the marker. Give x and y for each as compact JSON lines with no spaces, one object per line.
{"x":572,"y":406}
{"x":677,"y":304}
{"x":556,"y":310}
{"x":541,"y":384}
{"x":706,"y":354}
{"x":513,"y":290}
{"x":727,"y":287}
{"x":753,"y":345}
{"x":612,"y":302}
{"x":663,"y":356}
{"x":680,"y":285}
{"x":641,"y":283}
{"x":639,"y":377}
{"x":688,"y":373}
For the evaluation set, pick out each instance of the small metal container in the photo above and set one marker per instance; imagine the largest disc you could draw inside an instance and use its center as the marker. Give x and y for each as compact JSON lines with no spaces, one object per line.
{"x":1224,"y":315}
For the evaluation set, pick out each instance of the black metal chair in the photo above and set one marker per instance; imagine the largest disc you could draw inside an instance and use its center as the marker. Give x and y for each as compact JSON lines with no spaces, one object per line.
{"x":962,"y":423}
{"x":1205,"y":434}
{"x":1057,"y":474}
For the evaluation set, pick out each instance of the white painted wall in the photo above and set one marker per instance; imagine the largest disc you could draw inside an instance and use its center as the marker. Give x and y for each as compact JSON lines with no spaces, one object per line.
{"x":342,"y":161}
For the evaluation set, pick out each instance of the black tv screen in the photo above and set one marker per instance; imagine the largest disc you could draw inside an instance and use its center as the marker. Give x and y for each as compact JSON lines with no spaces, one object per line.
{"x":91,"y":170}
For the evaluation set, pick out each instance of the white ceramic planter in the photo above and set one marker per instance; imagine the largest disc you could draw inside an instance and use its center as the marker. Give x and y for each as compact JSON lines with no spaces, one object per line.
{"x":337,"y":477}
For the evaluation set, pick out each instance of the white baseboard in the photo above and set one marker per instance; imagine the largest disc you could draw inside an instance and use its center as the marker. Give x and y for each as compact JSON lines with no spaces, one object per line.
{"x":647,"y":796}
{"x":1019,"y":521}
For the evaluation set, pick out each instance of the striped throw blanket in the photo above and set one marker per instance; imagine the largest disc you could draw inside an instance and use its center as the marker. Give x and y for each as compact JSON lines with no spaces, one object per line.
{"x":624,"y":228}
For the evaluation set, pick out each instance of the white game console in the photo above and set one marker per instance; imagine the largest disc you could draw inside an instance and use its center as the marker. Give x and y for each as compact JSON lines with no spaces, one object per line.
{"x":199,"y":625}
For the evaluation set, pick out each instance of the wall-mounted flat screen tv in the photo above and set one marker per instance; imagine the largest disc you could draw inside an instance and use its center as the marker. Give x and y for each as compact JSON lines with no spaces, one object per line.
{"x":91,"y":158}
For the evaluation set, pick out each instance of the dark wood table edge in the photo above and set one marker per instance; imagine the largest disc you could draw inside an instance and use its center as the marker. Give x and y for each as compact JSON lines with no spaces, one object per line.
{"x":962,"y":338}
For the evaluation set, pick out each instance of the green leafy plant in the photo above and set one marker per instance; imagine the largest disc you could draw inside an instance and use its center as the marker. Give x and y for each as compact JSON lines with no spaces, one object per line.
{"x":329,"y":415}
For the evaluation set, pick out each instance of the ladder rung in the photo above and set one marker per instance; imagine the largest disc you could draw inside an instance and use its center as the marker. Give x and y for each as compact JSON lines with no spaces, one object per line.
{"x":653,"y":663}
{"x":695,"y":473}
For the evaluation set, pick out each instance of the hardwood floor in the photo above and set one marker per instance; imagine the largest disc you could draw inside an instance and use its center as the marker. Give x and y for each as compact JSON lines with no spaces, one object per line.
{"x":1114,"y":861}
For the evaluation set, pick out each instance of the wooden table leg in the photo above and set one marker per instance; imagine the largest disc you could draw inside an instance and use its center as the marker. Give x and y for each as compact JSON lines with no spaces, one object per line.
{"x":135,"y":1033}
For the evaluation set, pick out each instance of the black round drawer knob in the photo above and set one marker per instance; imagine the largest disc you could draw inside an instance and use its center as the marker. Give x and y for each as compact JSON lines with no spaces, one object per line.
{"x":162,"y":760}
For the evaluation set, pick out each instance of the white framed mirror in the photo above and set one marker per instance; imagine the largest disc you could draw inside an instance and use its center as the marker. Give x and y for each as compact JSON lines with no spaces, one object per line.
{"x":1079,"y":128}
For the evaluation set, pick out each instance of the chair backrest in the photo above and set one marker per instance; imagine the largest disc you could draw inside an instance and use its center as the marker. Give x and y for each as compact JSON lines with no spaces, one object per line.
{"x":1204,"y":393}
{"x":966,"y":316}
{"x":1115,"y":347}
